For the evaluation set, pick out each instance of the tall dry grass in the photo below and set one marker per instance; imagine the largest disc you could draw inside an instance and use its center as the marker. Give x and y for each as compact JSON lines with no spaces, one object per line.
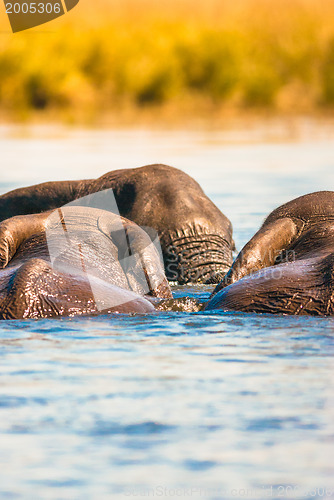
{"x":109,"y":55}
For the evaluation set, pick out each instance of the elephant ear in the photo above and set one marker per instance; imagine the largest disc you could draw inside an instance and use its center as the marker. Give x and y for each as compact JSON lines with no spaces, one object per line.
{"x":138,"y":256}
{"x":7,"y":244}
{"x":14,"y":231}
{"x":262,"y":250}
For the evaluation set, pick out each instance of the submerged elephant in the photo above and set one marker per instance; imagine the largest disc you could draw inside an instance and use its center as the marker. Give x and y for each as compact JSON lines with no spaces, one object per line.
{"x":196,"y":238}
{"x":288,"y":265}
{"x":77,"y":260}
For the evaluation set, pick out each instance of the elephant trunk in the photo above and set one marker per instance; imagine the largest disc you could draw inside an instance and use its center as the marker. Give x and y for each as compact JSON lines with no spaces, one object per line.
{"x":204,"y":258}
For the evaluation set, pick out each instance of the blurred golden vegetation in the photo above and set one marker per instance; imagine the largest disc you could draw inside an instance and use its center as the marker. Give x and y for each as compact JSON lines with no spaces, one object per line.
{"x":198,"y":57}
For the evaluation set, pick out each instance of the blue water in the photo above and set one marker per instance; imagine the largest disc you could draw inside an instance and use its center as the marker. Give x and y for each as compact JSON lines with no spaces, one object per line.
{"x":171,"y":405}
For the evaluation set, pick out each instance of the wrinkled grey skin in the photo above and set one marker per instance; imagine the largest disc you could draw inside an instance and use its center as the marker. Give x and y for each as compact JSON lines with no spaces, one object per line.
{"x":196,"y":238}
{"x":288,"y":265}
{"x":83,"y":241}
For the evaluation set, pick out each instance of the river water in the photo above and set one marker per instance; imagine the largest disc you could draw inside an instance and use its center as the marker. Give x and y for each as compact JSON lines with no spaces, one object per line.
{"x":171,"y":405}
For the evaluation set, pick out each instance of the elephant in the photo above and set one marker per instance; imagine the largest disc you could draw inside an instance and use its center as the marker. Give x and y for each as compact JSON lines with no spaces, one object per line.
{"x":195,"y":237}
{"x":74,"y":261}
{"x":288,"y":265}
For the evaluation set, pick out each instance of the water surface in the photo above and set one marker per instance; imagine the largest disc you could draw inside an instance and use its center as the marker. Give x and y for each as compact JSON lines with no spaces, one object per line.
{"x":170,"y":405}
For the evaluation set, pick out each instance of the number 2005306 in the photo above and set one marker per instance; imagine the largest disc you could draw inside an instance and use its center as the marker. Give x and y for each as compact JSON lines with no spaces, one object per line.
{"x":33,"y":8}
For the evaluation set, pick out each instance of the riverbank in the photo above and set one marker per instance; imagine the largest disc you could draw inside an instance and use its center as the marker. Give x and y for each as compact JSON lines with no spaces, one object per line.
{"x":116,"y":62}
{"x":227,"y":129}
